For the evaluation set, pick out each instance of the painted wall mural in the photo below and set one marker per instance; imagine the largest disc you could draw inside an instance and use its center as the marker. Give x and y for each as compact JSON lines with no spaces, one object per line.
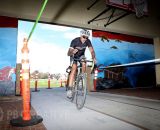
{"x":8,"y":45}
{"x":116,"y":49}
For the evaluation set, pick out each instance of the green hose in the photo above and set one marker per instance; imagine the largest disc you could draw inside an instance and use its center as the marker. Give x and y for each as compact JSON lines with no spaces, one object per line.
{"x":39,"y":15}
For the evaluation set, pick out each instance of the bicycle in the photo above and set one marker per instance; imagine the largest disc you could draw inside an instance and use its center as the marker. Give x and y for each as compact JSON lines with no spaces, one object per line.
{"x":79,"y":89}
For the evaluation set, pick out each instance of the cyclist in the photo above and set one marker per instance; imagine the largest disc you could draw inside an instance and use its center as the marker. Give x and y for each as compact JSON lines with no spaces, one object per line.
{"x":77,"y":49}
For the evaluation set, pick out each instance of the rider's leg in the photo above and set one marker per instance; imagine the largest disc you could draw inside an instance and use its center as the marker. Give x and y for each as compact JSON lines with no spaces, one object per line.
{"x":72,"y":75}
{"x":83,"y":67}
{"x":71,"y":80}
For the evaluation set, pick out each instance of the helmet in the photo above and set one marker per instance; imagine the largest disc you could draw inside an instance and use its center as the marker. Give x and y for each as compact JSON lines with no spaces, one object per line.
{"x":84,"y":32}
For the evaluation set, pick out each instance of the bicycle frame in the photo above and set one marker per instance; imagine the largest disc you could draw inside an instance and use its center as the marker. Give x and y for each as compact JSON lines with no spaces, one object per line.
{"x":80,"y":83}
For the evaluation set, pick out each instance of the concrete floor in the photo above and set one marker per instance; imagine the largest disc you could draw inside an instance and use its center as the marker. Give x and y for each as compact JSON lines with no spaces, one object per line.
{"x":102,"y":111}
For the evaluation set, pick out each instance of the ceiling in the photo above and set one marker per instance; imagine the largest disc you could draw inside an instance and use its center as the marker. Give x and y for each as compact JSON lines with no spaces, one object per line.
{"x":75,"y":13}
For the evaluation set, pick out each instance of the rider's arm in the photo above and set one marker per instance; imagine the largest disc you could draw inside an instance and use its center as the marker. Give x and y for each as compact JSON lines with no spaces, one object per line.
{"x":92,"y":53}
{"x":72,"y":51}
{"x":89,"y":44}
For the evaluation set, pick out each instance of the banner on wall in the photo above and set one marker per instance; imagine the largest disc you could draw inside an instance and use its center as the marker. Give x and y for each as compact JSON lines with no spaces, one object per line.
{"x":8,"y":45}
{"x":116,"y":49}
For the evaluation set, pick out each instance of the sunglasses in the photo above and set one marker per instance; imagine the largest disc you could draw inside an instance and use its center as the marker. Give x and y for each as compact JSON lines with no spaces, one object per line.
{"x":85,"y":37}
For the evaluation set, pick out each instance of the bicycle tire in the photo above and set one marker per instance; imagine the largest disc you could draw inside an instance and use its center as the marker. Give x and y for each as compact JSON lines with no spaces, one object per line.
{"x":73,"y":89}
{"x":81,"y":91}
{"x":73,"y":94}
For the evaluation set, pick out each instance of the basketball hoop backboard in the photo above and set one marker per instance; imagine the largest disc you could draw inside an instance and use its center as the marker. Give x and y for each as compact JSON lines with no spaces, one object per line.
{"x":137,"y":6}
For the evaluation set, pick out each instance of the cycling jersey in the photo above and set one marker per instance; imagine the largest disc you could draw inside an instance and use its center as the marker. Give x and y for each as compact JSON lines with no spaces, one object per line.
{"x":77,"y":43}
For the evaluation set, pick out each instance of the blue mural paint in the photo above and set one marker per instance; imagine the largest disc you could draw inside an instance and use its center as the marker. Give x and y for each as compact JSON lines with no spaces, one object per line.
{"x":8,"y":48}
{"x":109,"y":52}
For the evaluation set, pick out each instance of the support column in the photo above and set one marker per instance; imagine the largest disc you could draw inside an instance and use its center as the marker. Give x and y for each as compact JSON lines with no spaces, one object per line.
{"x":18,"y":88}
{"x":157,"y":55}
{"x":89,"y":79}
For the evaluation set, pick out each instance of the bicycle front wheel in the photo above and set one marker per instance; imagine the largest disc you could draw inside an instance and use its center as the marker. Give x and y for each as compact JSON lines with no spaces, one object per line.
{"x":81,"y":91}
{"x":73,"y":93}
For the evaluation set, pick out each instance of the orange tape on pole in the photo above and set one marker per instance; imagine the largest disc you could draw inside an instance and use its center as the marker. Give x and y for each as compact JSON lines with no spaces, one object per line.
{"x":36,"y":83}
{"x":61,"y":83}
{"x":25,"y":82}
{"x":49,"y":83}
{"x":49,"y":76}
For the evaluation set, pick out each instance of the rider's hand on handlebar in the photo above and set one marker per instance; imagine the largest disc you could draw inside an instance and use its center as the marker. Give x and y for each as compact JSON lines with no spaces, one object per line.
{"x":75,"y":51}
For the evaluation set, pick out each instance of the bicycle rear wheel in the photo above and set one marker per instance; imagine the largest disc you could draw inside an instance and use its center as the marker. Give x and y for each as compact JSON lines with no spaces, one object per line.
{"x":81,"y":91}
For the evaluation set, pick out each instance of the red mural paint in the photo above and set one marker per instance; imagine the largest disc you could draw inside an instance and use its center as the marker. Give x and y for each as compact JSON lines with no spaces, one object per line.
{"x":8,"y":22}
{"x":123,"y":37}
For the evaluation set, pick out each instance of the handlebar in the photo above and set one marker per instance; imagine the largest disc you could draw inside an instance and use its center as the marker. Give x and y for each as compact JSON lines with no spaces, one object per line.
{"x":84,"y":60}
